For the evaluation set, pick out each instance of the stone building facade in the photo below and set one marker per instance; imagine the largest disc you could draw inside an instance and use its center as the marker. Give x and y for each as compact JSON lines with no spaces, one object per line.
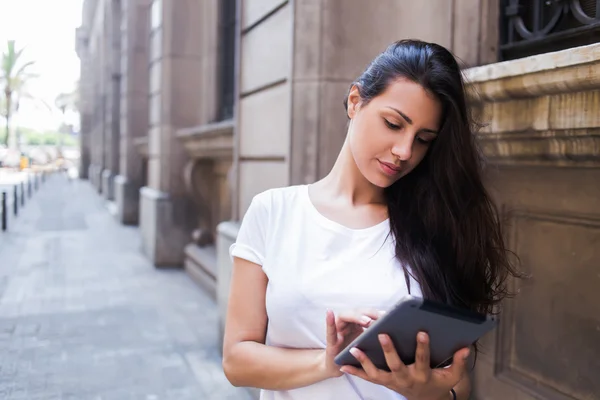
{"x":191,"y":107}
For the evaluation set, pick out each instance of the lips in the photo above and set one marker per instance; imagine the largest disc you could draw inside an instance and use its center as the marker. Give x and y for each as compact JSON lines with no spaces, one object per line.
{"x":389,"y":168}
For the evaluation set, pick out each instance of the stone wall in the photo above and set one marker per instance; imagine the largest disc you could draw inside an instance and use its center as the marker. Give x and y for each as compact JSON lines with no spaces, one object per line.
{"x":542,"y":143}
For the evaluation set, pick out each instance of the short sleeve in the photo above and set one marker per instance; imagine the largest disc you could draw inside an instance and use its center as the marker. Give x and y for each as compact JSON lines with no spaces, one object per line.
{"x":251,"y":239}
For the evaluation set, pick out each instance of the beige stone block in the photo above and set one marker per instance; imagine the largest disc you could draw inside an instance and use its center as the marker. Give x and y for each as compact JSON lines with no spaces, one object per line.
{"x":489,"y":31}
{"x":254,"y":10}
{"x":139,"y":73}
{"x":156,"y":45}
{"x":307,"y":40}
{"x":182,"y":91}
{"x":304,"y":132}
{"x":155,"y":77}
{"x":154,"y":167}
{"x":265,"y":122}
{"x":266,"y":51}
{"x":575,"y":110}
{"x":353,"y":37}
{"x":521,"y":115}
{"x":578,"y":57}
{"x":166,"y":222}
{"x":155,"y":109}
{"x":209,"y":62}
{"x":182,"y":30}
{"x":154,"y":141}
{"x":124,"y":105}
{"x":258,"y":176}
{"x":333,"y":125}
{"x":138,"y":116}
{"x":466,"y":36}
{"x":172,"y":158}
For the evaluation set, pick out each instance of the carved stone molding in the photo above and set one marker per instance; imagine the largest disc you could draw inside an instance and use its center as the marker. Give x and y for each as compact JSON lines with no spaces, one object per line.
{"x":559,"y":148}
{"x":540,"y":110}
{"x":560,"y":72}
{"x":199,"y":185}
{"x":210,"y":141}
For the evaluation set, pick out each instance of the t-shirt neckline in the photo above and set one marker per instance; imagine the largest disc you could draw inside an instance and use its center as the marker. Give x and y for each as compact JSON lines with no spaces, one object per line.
{"x":323,"y":220}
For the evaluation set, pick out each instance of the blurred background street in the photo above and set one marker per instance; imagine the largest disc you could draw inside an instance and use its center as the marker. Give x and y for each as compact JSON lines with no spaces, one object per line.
{"x":84,"y":315}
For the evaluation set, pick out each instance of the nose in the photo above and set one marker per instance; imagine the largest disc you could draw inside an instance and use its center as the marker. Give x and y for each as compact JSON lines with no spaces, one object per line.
{"x":403,"y":148}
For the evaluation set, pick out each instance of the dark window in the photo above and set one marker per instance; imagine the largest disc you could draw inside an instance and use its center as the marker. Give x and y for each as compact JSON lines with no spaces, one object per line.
{"x":226,"y":70}
{"x":529,"y":27}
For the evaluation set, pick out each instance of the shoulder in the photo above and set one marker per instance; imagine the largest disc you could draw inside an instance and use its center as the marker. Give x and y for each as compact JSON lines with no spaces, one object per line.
{"x":278,"y":199}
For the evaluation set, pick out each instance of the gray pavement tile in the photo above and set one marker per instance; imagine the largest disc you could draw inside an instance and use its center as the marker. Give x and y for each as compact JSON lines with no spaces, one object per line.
{"x":83,"y":315}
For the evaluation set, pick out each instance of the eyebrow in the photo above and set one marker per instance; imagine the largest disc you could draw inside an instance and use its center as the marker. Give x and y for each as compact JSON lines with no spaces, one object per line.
{"x":410,"y":122}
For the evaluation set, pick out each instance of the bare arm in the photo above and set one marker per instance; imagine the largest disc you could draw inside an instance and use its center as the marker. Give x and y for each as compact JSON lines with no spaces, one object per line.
{"x":247,"y":361}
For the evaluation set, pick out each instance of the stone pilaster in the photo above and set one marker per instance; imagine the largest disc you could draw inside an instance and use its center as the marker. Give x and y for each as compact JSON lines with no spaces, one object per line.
{"x":167,"y":216}
{"x":135,"y":35}
{"x":113,"y":97}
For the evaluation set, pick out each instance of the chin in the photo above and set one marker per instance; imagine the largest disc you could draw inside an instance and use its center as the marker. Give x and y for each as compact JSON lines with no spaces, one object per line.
{"x":381,"y":181}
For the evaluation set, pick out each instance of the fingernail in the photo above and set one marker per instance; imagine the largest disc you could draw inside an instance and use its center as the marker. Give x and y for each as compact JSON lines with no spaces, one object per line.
{"x":466,"y":354}
{"x":354,"y":351}
{"x":365,"y":319}
{"x":383,"y":339}
{"x":422,"y":337}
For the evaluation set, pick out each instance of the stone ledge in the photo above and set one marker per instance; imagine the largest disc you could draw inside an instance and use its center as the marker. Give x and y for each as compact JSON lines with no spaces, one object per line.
{"x":558,"y":72}
{"x":210,"y":141}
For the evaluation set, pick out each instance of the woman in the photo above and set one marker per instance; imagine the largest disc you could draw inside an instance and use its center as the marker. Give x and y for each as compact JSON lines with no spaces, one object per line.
{"x":403,"y":210}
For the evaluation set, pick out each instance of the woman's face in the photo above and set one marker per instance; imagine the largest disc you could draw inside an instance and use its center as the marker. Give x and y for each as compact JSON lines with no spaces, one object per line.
{"x":391,"y":134}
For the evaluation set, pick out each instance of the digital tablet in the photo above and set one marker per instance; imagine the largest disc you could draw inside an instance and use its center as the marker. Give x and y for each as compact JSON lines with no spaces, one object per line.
{"x":450,"y":329}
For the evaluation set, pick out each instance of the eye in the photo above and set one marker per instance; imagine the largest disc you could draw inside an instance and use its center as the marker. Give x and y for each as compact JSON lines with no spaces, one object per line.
{"x":391,"y":126}
{"x":424,"y":141}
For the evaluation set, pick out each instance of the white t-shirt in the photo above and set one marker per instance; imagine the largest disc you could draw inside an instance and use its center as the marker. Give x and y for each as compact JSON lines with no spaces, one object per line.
{"x":314,"y":264}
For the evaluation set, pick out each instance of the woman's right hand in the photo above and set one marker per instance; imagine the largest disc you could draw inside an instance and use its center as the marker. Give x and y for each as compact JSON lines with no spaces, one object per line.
{"x":341,"y":331}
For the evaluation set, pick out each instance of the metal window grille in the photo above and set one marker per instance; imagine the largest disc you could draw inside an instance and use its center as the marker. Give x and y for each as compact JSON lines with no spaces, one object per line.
{"x":529,"y":27}
{"x":227,"y":25}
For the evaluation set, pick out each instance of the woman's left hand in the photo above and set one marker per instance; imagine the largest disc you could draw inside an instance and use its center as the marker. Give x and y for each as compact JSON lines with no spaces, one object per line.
{"x":415,"y":381}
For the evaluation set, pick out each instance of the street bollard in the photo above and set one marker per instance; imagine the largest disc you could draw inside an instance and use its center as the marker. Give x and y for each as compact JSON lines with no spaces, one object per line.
{"x":4,"y":211}
{"x":29,"y":187}
{"x":15,"y":200}
{"x":22,"y":193}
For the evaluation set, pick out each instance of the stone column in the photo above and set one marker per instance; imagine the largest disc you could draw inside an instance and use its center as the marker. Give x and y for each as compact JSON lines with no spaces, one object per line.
{"x":97,"y":56}
{"x":134,"y":106}
{"x":82,"y":46}
{"x":113,"y":97}
{"x":167,"y":216}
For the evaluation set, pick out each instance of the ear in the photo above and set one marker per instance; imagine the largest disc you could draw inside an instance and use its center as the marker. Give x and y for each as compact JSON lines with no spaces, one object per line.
{"x":353,"y":101}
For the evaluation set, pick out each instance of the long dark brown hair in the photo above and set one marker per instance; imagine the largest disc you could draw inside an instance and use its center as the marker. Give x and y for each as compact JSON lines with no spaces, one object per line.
{"x":447,"y":230}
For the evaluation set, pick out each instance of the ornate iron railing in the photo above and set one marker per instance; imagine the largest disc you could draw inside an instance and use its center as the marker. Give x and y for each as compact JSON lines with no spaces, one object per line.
{"x":530,"y":27}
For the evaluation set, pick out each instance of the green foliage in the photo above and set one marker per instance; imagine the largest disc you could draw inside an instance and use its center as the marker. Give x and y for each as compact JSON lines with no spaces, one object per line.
{"x":50,"y":138}
{"x":14,"y":76}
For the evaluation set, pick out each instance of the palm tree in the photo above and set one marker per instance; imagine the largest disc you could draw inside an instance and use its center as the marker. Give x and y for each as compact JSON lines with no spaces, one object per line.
{"x":14,"y":76}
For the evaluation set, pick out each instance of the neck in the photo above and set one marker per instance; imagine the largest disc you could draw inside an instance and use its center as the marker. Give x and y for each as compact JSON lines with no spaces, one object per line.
{"x":345,"y":181}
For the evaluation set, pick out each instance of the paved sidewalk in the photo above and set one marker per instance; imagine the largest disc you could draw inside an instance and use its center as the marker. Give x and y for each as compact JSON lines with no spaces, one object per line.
{"x":83,"y":315}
